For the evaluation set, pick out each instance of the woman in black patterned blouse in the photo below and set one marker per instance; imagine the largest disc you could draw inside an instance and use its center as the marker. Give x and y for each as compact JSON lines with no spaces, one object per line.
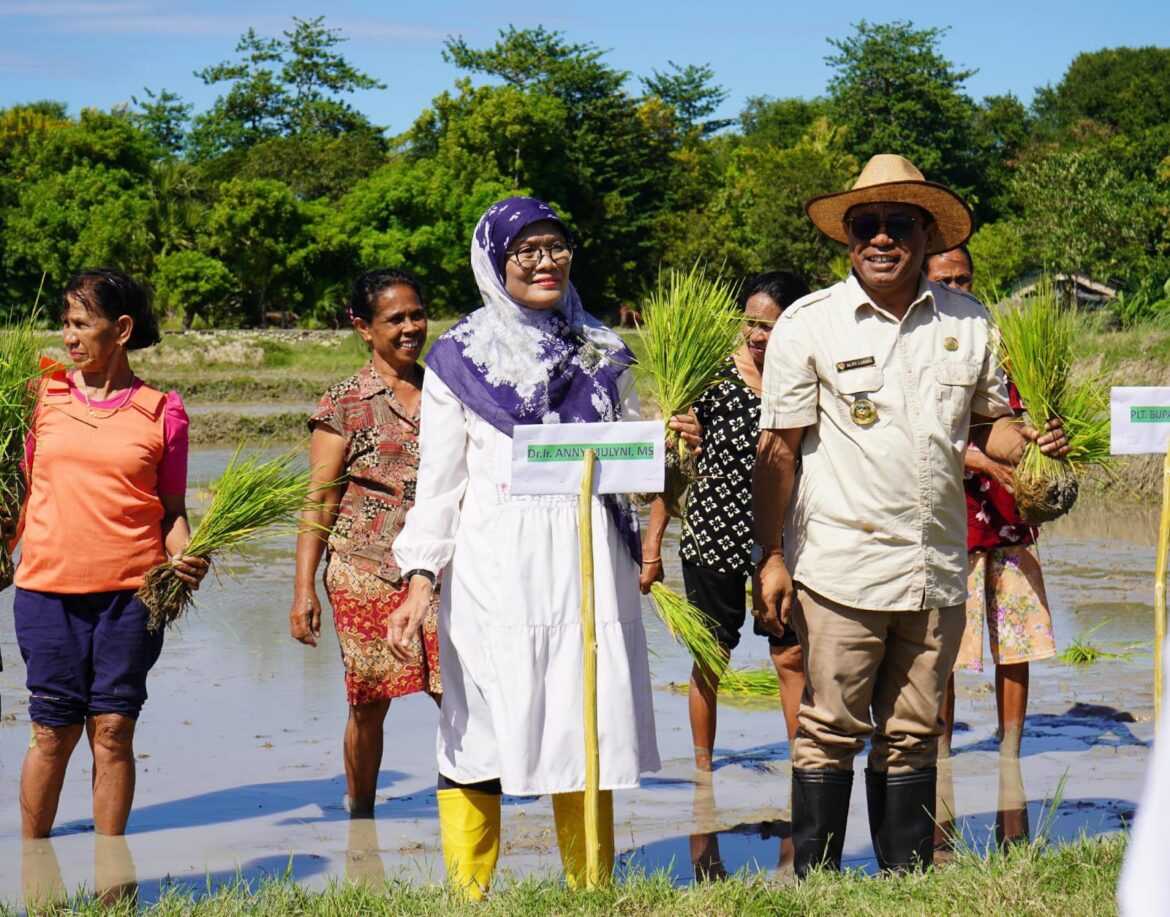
{"x":716,"y":542}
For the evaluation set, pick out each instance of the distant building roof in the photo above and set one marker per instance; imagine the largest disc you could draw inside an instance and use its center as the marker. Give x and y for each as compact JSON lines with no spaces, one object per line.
{"x":1089,"y":293}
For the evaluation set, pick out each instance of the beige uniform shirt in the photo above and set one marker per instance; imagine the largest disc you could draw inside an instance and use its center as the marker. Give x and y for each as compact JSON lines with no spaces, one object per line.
{"x":878,"y":518}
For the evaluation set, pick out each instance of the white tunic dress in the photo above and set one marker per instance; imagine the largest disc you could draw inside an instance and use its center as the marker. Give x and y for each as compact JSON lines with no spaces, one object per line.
{"x":510,"y":645}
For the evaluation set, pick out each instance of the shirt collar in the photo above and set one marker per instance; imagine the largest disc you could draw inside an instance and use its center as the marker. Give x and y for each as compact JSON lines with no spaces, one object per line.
{"x":859,"y":298}
{"x":369,"y":382}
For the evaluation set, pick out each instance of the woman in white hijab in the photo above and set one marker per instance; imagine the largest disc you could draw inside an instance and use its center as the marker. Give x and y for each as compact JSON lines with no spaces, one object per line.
{"x":509,"y":617}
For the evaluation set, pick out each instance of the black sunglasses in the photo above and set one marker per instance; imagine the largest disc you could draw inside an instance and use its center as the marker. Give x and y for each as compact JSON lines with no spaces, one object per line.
{"x":865,"y":226}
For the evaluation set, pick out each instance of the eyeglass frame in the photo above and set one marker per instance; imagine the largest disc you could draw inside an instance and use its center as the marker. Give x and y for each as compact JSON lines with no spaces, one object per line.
{"x":541,"y":251}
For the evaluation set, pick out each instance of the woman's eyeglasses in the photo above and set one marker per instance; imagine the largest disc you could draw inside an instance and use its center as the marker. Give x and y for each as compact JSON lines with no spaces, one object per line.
{"x":865,"y":226}
{"x":529,"y":256}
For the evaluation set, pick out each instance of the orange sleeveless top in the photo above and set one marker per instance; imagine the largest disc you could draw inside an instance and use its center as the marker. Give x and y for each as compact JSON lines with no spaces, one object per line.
{"x":93,"y":517}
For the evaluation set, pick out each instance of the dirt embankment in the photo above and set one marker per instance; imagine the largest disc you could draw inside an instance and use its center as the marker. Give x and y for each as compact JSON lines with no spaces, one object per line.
{"x":218,"y":427}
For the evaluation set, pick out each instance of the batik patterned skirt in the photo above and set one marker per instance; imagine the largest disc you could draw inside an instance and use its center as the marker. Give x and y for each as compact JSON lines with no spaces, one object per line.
{"x":1005,"y":589}
{"x":362,"y":605}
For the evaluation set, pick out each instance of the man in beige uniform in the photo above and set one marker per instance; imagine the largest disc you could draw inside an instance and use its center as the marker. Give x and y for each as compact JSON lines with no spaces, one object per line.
{"x":876,"y":383}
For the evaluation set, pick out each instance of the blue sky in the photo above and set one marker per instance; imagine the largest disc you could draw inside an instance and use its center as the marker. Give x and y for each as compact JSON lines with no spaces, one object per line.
{"x":101,"y":52}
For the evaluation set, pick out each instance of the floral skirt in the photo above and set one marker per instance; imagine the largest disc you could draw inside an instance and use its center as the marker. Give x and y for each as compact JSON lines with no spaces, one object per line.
{"x":1005,"y":588}
{"x":362,"y":605}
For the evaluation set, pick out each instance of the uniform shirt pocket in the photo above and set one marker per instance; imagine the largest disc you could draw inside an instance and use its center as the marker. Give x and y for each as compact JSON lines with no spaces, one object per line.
{"x":956,"y":381}
{"x":860,"y":400}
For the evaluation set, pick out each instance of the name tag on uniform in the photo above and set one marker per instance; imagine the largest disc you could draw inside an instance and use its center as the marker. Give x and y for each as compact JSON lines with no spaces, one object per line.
{"x":859,"y":363}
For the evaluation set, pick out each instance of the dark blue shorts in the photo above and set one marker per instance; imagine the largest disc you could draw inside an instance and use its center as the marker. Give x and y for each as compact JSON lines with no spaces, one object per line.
{"x":86,"y":654}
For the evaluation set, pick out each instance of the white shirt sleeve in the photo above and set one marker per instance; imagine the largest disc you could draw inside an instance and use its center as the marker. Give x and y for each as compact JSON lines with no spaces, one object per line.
{"x":628,"y":392}
{"x":427,"y":540}
{"x":991,"y":395}
{"x":791,"y":386}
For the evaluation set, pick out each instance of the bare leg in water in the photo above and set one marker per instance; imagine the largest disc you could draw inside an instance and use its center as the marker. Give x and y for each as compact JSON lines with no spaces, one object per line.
{"x":789,"y":663}
{"x":1011,"y":694}
{"x":362,"y":749}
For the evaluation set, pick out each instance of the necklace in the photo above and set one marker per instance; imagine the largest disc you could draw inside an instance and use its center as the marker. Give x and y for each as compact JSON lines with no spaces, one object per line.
{"x":94,"y":414}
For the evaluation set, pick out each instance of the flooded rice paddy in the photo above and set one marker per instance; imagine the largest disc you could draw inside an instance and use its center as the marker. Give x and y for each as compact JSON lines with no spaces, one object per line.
{"x":240,"y":770}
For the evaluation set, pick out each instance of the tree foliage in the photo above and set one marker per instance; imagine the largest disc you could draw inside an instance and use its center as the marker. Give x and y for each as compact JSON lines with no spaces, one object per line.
{"x":198,"y":288}
{"x":894,"y":92}
{"x":288,"y":86}
{"x":1081,"y":214}
{"x":693,"y":95}
{"x":1123,"y":89}
{"x":258,"y":229}
{"x":268,"y":202}
{"x":607,"y":157}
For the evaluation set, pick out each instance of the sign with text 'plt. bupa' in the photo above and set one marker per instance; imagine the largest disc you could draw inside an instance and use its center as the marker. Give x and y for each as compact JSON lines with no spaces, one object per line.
{"x":548,"y":458}
{"x":1139,"y":420}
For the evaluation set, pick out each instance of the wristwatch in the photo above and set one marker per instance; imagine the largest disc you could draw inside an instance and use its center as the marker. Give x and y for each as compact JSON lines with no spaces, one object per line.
{"x":761,"y":552}
{"x":406,"y":577}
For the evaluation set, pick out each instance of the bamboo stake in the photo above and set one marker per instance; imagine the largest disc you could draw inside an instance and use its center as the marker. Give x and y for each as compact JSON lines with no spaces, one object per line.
{"x":593,"y":876}
{"x":1160,"y":587}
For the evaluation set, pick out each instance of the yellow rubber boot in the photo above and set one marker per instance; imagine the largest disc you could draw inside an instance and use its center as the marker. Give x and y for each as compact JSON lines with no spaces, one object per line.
{"x":469,"y":823}
{"x":569,"y":814}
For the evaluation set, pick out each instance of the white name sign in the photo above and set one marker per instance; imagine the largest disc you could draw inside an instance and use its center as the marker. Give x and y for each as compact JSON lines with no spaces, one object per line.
{"x":1139,"y":420}
{"x":549,"y":458}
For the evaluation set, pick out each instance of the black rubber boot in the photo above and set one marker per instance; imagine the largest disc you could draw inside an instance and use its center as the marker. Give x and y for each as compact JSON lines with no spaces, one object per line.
{"x":875,"y":804}
{"x":901,"y":818}
{"x":820,"y":810}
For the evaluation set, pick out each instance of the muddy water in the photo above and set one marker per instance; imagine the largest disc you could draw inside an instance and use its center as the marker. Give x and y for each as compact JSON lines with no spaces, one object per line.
{"x":240,"y":769}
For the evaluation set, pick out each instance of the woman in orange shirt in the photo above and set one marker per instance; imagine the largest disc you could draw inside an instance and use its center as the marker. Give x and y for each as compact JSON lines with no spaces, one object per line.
{"x":107,"y":471}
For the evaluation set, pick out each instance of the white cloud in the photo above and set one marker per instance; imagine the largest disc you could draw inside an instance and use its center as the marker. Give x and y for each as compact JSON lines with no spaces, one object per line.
{"x":25,"y":64}
{"x":55,"y":9}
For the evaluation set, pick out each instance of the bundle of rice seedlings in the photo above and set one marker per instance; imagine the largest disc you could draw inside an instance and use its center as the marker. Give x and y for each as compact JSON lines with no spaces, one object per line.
{"x":691,"y":325}
{"x":1037,"y":347}
{"x":750,"y":683}
{"x":20,"y":368}
{"x":253,"y":499}
{"x":1081,"y":651}
{"x":691,"y":627}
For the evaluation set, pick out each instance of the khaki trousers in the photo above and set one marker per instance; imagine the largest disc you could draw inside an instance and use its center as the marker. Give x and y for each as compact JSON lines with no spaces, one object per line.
{"x":893,"y":665}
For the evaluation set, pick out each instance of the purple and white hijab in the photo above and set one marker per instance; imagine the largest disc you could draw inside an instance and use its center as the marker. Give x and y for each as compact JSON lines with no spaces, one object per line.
{"x":514,"y":365}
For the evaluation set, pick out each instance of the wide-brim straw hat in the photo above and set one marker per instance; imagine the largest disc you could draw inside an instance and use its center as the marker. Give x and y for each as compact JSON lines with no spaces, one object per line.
{"x":890,"y":179}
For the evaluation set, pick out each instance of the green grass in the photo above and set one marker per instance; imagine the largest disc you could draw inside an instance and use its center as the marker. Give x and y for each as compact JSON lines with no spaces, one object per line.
{"x":1074,"y":878}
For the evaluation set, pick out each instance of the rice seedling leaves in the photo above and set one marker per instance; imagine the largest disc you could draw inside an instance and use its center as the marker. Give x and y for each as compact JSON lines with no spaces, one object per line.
{"x":691,"y":327}
{"x":691,"y":627}
{"x":1037,"y":341}
{"x":253,"y":499}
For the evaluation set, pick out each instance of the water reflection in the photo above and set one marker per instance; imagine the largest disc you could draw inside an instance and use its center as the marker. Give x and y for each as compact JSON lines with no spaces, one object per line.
{"x":1011,"y":816}
{"x":705,"y":859}
{"x":40,"y":875}
{"x":243,"y":732}
{"x":115,"y":880}
{"x":745,"y":843}
{"x":114,"y":877}
{"x":363,"y":860}
{"x":1098,"y":520}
